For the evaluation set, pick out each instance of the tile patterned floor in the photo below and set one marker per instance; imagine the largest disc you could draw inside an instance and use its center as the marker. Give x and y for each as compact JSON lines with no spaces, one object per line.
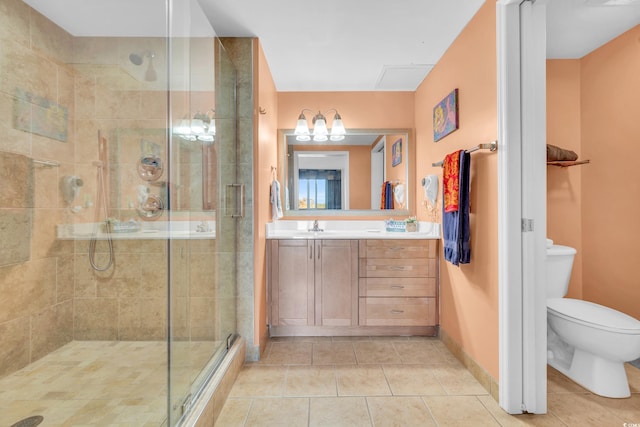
{"x":396,"y":382}
{"x":100,"y":383}
{"x":300,"y":382}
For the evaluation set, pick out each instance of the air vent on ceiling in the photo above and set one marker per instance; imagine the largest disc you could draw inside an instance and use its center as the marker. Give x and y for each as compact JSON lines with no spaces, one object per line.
{"x":402,"y":77}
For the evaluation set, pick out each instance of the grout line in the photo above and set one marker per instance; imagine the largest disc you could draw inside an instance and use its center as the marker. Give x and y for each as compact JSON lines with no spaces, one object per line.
{"x":366,"y":402}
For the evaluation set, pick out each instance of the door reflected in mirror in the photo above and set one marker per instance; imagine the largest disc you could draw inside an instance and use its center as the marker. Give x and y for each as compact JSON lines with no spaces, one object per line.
{"x":367,"y":173}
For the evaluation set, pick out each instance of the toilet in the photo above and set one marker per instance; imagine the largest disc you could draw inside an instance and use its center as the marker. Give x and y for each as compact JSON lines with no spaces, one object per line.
{"x":587,"y":342}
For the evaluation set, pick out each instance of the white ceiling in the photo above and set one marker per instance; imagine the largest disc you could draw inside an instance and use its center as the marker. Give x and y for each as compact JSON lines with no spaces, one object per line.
{"x":340,"y":45}
{"x":576,"y":27}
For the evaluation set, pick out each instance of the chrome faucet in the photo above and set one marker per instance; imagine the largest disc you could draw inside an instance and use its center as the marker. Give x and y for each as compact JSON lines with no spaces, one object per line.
{"x":315,"y":227}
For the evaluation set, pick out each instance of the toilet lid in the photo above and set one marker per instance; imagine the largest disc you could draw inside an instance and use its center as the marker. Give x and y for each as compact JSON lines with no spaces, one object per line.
{"x":594,"y":314}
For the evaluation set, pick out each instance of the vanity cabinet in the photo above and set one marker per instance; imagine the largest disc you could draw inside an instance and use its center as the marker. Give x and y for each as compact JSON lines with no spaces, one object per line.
{"x":312,"y":283}
{"x":398,"y":283}
{"x":342,"y":287}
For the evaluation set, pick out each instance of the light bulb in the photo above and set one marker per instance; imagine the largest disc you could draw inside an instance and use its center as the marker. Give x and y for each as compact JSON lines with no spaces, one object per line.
{"x":337,"y":128}
{"x":197,"y":126}
{"x":302,"y":128}
{"x":182,"y":127}
{"x":320,"y":127}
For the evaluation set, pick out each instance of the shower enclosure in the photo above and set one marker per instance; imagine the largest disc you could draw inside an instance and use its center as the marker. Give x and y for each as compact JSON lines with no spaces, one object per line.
{"x":118,"y":211}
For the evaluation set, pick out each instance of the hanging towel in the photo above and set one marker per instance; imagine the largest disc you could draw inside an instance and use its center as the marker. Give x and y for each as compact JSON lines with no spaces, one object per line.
{"x":388,"y":195}
{"x":286,"y":198}
{"x":276,"y":205}
{"x":455,"y":224}
{"x":464,"y":228}
{"x":556,"y":153}
{"x":451,"y":181}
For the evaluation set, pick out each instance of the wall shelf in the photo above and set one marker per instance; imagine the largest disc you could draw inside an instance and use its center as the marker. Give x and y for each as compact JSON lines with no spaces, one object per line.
{"x":567,"y":163}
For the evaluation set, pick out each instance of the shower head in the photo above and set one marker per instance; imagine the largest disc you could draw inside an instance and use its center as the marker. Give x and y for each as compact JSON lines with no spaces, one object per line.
{"x":136,"y":58}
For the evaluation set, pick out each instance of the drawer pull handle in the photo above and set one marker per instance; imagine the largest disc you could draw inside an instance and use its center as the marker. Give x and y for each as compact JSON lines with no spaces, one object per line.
{"x":397,"y":267}
{"x":396,"y":248}
{"x":397,"y":287}
{"x":397,"y":311}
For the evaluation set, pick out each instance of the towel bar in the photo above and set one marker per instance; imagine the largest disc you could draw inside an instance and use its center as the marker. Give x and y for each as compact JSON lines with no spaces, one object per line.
{"x":491,"y":146}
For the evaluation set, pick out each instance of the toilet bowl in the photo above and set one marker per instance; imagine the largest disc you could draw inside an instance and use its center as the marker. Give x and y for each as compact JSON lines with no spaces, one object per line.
{"x":587,"y":342}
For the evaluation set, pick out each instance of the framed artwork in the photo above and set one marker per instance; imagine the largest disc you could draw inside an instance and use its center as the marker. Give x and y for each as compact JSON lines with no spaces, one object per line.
{"x":445,"y":116}
{"x":396,"y":153}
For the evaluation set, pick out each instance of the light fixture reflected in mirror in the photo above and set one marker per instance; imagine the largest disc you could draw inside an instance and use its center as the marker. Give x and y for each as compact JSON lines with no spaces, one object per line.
{"x":320,"y":131}
{"x":202,"y":127}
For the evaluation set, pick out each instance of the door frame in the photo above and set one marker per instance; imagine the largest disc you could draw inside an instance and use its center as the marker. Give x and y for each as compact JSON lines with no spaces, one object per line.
{"x":521,"y":52}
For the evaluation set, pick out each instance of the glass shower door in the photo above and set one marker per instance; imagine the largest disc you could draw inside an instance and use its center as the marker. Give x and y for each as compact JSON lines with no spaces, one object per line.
{"x":202,"y":246}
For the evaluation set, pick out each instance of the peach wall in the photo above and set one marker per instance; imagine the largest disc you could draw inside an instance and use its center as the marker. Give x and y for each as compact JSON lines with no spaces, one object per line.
{"x":564,"y":216}
{"x":359,"y":110}
{"x":610,"y":187}
{"x":360,"y":161}
{"x":469,"y":293}
{"x":266,"y":156}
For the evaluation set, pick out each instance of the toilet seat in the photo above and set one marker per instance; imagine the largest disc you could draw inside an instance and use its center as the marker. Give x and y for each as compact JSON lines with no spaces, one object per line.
{"x":593,"y":315}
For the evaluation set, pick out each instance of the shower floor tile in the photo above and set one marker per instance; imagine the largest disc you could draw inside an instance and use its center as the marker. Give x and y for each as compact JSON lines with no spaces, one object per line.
{"x":100,"y":383}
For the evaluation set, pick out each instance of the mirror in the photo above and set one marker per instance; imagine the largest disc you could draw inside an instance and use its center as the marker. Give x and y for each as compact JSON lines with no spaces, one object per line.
{"x":367,"y":173}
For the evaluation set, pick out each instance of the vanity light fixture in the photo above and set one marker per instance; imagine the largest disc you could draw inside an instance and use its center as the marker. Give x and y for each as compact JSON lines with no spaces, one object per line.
{"x":202,"y":127}
{"x":320,"y":131}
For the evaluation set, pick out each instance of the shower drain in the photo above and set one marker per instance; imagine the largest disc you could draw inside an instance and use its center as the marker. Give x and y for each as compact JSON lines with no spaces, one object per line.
{"x":29,"y":422}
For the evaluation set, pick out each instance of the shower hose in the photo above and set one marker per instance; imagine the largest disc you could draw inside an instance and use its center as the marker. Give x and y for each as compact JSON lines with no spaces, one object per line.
{"x":102,"y":203}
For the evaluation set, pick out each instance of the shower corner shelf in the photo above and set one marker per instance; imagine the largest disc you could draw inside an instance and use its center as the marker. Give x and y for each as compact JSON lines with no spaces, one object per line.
{"x":567,"y":163}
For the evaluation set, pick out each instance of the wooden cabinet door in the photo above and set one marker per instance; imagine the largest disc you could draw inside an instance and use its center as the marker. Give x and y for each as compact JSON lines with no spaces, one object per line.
{"x":336,"y":280}
{"x":292,"y":287}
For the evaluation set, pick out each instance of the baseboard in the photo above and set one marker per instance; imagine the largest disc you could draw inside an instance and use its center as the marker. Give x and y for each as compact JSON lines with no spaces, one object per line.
{"x":480,"y":374}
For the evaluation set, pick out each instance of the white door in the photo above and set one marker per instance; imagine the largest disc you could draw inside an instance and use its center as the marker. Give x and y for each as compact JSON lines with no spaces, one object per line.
{"x":522,"y":205}
{"x":377,"y":178}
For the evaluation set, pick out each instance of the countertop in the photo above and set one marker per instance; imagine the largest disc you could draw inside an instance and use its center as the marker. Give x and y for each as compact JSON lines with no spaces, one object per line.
{"x":148,"y":231}
{"x":285,"y":229}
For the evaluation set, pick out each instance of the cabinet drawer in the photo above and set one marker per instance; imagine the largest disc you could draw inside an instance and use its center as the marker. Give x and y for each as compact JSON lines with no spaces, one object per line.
{"x":397,"y":312}
{"x":390,"y":248}
{"x":391,"y":267}
{"x":398,"y":287}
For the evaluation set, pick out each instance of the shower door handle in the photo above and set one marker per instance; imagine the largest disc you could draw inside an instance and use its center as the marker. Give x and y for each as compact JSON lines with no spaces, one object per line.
{"x":237,"y":204}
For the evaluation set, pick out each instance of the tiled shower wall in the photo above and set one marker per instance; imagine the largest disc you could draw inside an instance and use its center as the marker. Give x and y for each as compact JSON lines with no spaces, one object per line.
{"x":50,"y":293}
{"x":36,"y":308}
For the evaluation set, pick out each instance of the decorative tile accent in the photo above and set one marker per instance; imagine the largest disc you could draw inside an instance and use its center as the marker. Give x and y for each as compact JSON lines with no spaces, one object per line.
{"x":40,"y":115}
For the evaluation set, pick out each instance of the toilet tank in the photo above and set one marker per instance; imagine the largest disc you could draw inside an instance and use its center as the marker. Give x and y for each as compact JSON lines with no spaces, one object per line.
{"x":559,"y":263}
